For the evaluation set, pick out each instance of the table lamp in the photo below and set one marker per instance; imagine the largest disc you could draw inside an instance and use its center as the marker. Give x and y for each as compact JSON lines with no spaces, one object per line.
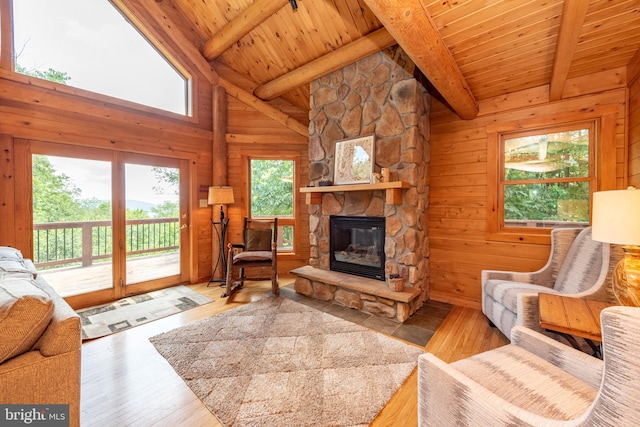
{"x":220,"y":195}
{"x":616,"y":220}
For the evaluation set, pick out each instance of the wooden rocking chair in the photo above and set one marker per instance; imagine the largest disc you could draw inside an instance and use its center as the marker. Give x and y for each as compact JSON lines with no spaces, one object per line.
{"x":258,"y":250}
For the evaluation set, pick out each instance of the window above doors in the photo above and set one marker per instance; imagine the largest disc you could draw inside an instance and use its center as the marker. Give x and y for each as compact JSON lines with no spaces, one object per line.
{"x":90,"y":45}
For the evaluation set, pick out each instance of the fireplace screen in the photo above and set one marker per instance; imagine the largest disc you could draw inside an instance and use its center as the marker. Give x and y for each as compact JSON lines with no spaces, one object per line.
{"x":357,"y":245}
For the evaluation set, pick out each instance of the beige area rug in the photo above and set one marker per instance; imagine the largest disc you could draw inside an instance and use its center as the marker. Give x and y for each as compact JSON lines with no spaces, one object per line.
{"x":126,"y":313}
{"x":275,"y":362}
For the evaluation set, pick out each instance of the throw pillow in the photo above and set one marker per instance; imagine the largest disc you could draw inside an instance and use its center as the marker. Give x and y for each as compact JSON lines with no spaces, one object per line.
{"x":258,"y":239}
{"x":10,"y":254}
{"x":25,"y":313}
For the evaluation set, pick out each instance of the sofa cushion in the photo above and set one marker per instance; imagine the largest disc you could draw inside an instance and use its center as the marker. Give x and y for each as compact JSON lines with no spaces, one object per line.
{"x":25,"y":312}
{"x":17,"y":266}
{"x":10,"y":254}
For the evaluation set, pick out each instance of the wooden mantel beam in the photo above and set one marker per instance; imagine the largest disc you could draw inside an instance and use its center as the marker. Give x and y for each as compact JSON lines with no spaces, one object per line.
{"x":571,"y":22}
{"x":240,"y":26}
{"x":412,"y":27}
{"x":335,"y":60}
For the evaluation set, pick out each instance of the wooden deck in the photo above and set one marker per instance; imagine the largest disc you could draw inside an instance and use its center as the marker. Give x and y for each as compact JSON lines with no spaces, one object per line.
{"x":70,"y":281}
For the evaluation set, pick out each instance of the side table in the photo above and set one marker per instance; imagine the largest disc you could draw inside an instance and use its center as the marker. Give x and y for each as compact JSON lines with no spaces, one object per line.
{"x":571,"y":317}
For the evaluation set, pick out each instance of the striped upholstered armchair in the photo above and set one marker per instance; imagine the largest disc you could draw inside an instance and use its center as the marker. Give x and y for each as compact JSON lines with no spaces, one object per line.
{"x":577,"y":266}
{"x":537,"y":381}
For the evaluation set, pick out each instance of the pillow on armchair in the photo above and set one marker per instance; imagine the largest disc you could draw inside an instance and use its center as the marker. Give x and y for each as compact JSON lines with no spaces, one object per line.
{"x":258,"y":239}
{"x":25,"y":313}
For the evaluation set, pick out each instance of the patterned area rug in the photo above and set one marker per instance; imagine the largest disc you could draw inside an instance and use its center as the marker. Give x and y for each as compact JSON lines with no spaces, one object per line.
{"x":275,"y":362}
{"x":126,"y":313}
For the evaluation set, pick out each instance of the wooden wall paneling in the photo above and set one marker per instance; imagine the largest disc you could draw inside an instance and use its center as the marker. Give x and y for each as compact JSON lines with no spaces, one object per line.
{"x":7,"y":191}
{"x":22,"y":207}
{"x":633,"y":78}
{"x":6,"y":35}
{"x":460,"y":196}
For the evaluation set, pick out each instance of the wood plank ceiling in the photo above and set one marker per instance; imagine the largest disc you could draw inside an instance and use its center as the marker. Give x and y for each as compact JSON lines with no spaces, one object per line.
{"x":470,"y":50}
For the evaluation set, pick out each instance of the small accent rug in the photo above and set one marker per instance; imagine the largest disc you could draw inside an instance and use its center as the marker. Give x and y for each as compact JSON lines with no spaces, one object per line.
{"x":275,"y":362}
{"x":126,"y":313}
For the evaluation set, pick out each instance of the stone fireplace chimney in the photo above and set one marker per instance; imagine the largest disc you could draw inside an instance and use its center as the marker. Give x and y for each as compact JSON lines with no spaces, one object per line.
{"x":377,"y":95}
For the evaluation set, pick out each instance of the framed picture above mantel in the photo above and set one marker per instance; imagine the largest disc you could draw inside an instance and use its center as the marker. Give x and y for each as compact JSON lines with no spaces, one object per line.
{"x":354,"y":160}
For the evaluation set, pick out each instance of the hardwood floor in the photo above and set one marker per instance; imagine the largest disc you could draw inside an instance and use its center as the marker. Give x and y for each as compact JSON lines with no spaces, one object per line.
{"x":125,"y":382}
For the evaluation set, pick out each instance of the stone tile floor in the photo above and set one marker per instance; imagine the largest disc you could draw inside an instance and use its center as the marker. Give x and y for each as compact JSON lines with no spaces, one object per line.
{"x":418,"y":329}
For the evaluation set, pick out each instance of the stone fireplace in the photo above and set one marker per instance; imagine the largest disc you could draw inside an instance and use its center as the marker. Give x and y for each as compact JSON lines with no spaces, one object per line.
{"x":378,"y":95}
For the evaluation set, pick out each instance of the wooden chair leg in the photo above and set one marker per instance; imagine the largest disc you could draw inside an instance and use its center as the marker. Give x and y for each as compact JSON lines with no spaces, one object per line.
{"x":229,"y":278}
{"x":275,"y":288}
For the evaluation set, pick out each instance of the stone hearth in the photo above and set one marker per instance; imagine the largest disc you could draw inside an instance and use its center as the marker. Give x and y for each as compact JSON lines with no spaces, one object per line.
{"x":377,"y":95}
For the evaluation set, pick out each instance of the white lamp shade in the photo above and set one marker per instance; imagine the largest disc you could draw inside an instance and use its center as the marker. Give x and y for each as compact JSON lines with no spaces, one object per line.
{"x":220,"y":195}
{"x":616,"y":217}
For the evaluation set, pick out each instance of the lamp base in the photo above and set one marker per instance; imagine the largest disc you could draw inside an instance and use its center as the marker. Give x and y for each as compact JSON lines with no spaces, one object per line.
{"x":626,"y":277}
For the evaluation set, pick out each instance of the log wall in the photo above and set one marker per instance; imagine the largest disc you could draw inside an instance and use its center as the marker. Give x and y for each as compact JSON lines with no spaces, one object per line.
{"x":459,"y":247}
{"x":633,"y":73}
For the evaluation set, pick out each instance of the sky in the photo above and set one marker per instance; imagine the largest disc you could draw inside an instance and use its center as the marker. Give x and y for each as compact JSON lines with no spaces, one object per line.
{"x":92,"y":43}
{"x":93,"y":178}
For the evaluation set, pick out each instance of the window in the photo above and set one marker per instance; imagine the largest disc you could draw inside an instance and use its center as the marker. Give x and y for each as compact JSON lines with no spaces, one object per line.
{"x":89,"y":45}
{"x":547,"y":176}
{"x":272,"y":195}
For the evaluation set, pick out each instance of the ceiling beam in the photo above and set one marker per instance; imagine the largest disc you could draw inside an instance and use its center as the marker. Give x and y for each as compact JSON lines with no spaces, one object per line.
{"x":240,"y":26}
{"x":571,"y":22}
{"x":412,"y":27}
{"x":335,"y":60}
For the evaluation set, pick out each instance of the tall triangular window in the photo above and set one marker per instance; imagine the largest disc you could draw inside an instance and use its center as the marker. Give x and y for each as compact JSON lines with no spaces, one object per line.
{"x":88,"y":44}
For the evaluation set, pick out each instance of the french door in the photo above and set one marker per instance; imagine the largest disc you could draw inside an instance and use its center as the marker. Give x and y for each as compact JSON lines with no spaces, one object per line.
{"x":108,"y":224}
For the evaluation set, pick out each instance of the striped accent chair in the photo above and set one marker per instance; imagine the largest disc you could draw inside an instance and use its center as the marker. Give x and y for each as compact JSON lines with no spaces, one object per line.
{"x":577,"y":266}
{"x":537,"y":381}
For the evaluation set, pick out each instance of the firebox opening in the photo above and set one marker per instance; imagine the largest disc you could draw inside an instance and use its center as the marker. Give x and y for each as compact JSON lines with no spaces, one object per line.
{"x":357,"y":245}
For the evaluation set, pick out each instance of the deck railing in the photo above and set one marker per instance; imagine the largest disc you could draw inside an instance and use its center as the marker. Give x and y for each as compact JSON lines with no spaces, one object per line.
{"x":59,"y":244}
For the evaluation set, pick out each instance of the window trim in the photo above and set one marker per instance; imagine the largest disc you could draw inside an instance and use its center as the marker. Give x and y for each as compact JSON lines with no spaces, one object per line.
{"x":604,"y":164}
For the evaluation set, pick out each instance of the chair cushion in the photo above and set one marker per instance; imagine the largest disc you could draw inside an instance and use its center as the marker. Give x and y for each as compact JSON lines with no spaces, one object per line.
{"x":253,"y":256}
{"x":507,"y":291}
{"x":258,"y":239}
{"x":25,"y":313}
{"x":529,"y":382}
{"x":582,"y":265}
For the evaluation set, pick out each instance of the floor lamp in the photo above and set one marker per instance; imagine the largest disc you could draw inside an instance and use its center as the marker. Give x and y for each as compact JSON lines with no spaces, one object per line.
{"x":220,"y":195}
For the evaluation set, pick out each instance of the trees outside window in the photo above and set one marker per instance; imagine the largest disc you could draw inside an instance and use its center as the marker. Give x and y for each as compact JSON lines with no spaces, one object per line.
{"x":272,"y":195}
{"x":547,"y":176}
